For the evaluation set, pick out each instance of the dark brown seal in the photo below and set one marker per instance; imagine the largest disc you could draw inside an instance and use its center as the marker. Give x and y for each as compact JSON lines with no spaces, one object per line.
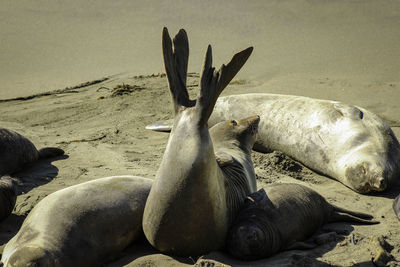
{"x":280,"y":218}
{"x":16,"y":151}
{"x":199,"y":185}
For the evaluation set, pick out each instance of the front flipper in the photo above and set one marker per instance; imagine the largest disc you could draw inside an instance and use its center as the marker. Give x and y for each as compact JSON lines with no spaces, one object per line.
{"x":161,"y":126}
{"x":223,"y":158}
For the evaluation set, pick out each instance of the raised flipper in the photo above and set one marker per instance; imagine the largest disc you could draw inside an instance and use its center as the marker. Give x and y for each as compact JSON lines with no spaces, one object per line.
{"x":161,"y":126}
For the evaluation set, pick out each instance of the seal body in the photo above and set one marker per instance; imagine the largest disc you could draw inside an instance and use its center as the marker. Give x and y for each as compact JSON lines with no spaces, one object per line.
{"x":199,"y":185}
{"x":347,"y":143}
{"x":198,"y":190}
{"x":82,"y":225}
{"x":17,"y":151}
{"x":280,"y":217}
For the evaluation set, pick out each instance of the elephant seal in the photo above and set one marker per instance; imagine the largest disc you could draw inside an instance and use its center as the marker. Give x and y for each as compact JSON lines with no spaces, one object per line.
{"x":17,"y":151}
{"x":82,"y":225}
{"x":280,"y":218}
{"x":8,"y":196}
{"x":396,"y":206}
{"x":197,"y":190}
{"x":347,"y":143}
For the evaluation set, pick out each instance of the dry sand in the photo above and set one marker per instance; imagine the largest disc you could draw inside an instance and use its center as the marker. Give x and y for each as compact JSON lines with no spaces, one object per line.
{"x":103,"y":133}
{"x":339,"y":50}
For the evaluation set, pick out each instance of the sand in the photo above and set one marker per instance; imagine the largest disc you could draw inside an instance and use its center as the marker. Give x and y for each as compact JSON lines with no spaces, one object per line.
{"x":337,"y":50}
{"x":102,"y":130}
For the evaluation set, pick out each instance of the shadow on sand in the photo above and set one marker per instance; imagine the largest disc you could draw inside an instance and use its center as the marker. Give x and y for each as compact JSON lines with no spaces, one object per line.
{"x":36,"y":174}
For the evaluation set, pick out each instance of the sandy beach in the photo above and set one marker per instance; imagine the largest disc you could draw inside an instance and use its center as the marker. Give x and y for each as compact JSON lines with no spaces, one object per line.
{"x":62,"y":64}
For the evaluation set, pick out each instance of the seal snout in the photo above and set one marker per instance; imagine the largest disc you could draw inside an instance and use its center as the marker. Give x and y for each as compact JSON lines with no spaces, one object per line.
{"x":380,"y":184}
{"x":253,"y":123}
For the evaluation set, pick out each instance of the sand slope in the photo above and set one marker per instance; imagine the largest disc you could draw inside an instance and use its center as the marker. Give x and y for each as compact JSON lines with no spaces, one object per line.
{"x":102,"y":132}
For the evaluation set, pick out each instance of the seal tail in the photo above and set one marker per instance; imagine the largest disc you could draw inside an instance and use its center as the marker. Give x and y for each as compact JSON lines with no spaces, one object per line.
{"x":49,"y":152}
{"x":341,"y":214}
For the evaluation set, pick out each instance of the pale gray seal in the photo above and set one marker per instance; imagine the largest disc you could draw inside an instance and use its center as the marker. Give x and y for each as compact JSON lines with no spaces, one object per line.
{"x":17,"y":151}
{"x":280,"y":218}
{"x":199,"y":185}
{"x":345,"y":142}
{"x":82,"y":225}
{"x":8,"y":196}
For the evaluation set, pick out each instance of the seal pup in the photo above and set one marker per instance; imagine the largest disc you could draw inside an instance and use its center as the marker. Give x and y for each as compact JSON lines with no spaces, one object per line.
{"x":8,"y":196}
{"x":82,"y":225}
{"x":280,"y":218}
{"x":197,"y":190}
{"x":348,"y":143}
{"x":17,"y":151}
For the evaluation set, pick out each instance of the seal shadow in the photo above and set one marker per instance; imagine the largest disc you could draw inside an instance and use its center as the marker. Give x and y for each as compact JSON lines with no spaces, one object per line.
{"x":36,"y":174}
{"x":142,"y":253}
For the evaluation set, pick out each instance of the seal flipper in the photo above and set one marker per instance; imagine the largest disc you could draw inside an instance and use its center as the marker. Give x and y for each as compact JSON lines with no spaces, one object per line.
{"x":342,"y":216}
{"x":223,"y":158}
{"x":49,"y":152}
{"x":161,"y":126}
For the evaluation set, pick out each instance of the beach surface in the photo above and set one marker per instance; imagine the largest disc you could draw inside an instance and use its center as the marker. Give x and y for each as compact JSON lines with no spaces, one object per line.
{"x":88,"y":77}
{"x":101,"y":127}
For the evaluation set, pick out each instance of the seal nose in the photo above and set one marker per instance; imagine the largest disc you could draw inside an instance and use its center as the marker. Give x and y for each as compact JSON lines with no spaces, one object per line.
{"x":380,"y":184}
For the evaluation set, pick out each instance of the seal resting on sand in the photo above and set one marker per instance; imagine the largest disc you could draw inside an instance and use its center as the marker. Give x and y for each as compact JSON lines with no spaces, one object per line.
{"x":8,"y":196}
{"x":280,"y":218}
{"x":16,"y":151}
{"x":347,"y":143}
{"x":81,"y":225}
{"x":198,"y":187}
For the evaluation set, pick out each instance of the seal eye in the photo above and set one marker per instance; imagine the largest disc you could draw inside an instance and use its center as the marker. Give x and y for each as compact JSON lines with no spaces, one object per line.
{"x":233,"y":122}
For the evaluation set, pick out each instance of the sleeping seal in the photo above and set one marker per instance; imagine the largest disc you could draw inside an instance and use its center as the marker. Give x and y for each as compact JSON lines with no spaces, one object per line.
{"x":199,"y":186}
{"x":81,"y":225}
{"x":282,"y":217}
{"x":347,"y":143}
{"x":16,"y":151}
{"x":8,"y":196}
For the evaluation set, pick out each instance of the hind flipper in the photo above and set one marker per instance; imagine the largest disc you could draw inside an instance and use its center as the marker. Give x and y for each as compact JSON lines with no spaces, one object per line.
{"x":354,"y":213}
{"x":49,"y":152}
{"x":161,"y":126}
